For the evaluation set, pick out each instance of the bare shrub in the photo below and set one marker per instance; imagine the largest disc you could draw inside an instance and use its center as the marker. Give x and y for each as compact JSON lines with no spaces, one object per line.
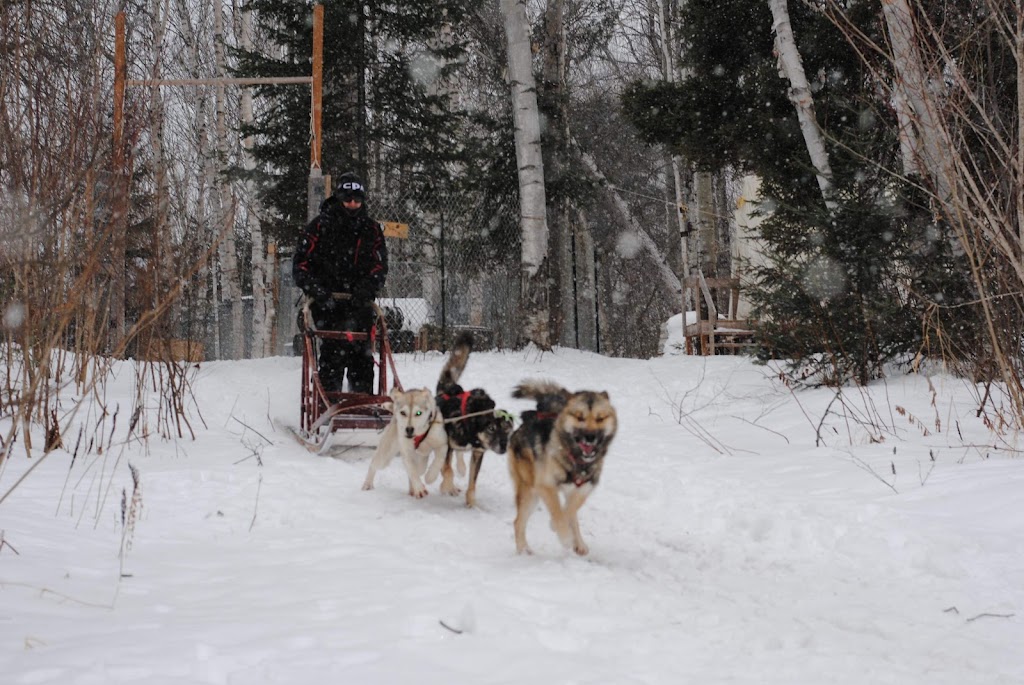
{"x":951,"y":71}
{"x":72,"y":223}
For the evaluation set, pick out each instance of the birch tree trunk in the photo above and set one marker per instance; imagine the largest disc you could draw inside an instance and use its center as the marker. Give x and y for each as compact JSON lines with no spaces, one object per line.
{"x":800,"y":94}
{"x":263,"y":310}
{"x":231,"y":289}
{"x":684,"y":207}
{"x":967,"y":150}
{"x":532,"y":211}
{"x":200,"y":105}
{"x":915,"y":100}
{"x":669,"y":71}
{"x":208,"y":210}
{"x":909,"y":144}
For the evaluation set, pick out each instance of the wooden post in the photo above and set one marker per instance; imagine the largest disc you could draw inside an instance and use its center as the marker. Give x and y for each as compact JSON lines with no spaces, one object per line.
{"x":119,"y":193}
{"x":318,"y":83}
{"x":319,"y":184}
{"x":317,"y":187}
{"x":120,"y":73}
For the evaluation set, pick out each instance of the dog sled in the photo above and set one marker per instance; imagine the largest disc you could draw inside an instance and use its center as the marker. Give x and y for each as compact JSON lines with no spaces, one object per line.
{"x":324,"y":412}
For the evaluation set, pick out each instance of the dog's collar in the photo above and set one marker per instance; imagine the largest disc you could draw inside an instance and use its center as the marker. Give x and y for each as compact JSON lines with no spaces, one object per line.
{"x":417,"y":440}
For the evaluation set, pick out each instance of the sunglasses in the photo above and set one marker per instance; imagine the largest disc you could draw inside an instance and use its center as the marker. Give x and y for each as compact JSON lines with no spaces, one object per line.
{"x":349,"y":200}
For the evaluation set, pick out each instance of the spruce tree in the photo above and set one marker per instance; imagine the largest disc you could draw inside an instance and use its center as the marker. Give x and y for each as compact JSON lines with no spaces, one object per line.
{"x":379,"y":60}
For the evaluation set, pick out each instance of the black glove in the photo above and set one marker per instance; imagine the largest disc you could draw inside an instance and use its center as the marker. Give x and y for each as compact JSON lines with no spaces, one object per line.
{"x":321,"y":297}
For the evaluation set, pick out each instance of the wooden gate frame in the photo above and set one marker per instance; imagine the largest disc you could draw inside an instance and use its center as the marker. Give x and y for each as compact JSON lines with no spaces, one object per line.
{"x":316,"y":106}
{"x":316,"y":188}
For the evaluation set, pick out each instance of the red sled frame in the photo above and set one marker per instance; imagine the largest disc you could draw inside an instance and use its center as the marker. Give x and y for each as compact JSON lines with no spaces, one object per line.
{"x":323,"y":412}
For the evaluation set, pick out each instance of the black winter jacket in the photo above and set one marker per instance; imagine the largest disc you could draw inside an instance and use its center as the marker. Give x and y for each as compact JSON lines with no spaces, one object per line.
{"x":341,"y":253}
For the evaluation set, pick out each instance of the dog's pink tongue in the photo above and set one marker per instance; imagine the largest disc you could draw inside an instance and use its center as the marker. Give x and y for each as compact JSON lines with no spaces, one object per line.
{"x":586,"y":447}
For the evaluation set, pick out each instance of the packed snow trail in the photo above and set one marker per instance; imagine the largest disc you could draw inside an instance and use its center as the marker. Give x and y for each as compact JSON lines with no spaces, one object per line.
{"x":725,"y":545}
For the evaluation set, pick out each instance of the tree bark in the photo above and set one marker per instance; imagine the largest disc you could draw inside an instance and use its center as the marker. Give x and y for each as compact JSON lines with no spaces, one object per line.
{"x":668,"y":67}
{"x":120,"y":186}
{"x":560,"y":294}
{"x":201,"y":106}
{"x":705,"y":248}
{"x":231,"y":289}
{"x":262,"y":298}
{"x":915,"y":100}
{"x":532,"y":210}
{"x":800,"y":94}
{"x":585,"y":285}
{"x":161,"y":15}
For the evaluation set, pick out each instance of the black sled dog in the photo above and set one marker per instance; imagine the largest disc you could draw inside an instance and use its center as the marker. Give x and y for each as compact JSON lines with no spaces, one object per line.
{"x":471,"y":420}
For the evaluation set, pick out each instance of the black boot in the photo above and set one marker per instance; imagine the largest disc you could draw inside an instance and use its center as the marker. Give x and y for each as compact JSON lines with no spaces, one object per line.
{"x":360,"y":368}
{"x":360,"y":377}
{"x":332,"y":381}
{"x":332,"y":366}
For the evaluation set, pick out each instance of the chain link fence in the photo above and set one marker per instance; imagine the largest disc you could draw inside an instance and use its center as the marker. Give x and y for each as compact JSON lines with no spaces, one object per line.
{"x":453,"y":266}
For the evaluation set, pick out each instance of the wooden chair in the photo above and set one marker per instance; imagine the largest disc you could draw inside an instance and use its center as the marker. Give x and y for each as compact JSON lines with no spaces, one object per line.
{"x":717,"y":334}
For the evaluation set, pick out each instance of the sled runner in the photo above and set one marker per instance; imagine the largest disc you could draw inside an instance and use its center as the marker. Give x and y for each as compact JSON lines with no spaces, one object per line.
{"x":324,"y":412}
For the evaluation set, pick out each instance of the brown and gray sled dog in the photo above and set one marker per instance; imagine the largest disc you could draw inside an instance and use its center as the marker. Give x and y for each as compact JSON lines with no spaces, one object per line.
{"x":416,"y":429}
{"x":558,"y":452}
{"x":472,"y":423}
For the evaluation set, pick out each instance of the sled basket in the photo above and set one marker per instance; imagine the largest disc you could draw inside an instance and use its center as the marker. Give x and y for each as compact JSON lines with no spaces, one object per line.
{"x":323,"y":412}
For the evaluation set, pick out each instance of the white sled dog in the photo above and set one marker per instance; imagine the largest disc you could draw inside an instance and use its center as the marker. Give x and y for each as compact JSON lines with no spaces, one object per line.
{"x":416,"y":429}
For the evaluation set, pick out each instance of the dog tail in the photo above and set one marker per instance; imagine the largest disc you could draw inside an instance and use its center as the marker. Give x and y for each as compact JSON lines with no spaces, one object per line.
{"x":550,"y":396}
{"x":456,"y":363}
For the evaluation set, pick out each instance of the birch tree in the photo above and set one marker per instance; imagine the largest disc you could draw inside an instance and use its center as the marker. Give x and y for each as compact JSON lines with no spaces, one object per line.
{"x":688,"y":190}
{"x":957,"y":72}
{"x":532,"y":202}
{"x":230,"y":281}
{"x":791,"y":66}
{"x":197,"y":64}
{"x":668,"y":44}
{"x":262,"y":269}
{"x":914,"y":97}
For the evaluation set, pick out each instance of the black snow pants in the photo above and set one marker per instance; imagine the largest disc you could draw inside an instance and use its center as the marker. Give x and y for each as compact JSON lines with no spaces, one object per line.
{"x":338,"y":355}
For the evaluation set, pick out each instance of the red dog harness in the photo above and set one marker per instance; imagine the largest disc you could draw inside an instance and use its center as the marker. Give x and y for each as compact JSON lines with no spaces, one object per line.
{"x":463,"y":399}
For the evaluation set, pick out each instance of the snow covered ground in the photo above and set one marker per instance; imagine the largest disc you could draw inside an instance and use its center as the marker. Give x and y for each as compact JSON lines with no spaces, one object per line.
{"x":726,"y":546}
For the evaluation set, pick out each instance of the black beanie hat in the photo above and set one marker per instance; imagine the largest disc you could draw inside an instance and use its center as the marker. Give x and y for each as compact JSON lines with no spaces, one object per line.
{"x":350,"y":186}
